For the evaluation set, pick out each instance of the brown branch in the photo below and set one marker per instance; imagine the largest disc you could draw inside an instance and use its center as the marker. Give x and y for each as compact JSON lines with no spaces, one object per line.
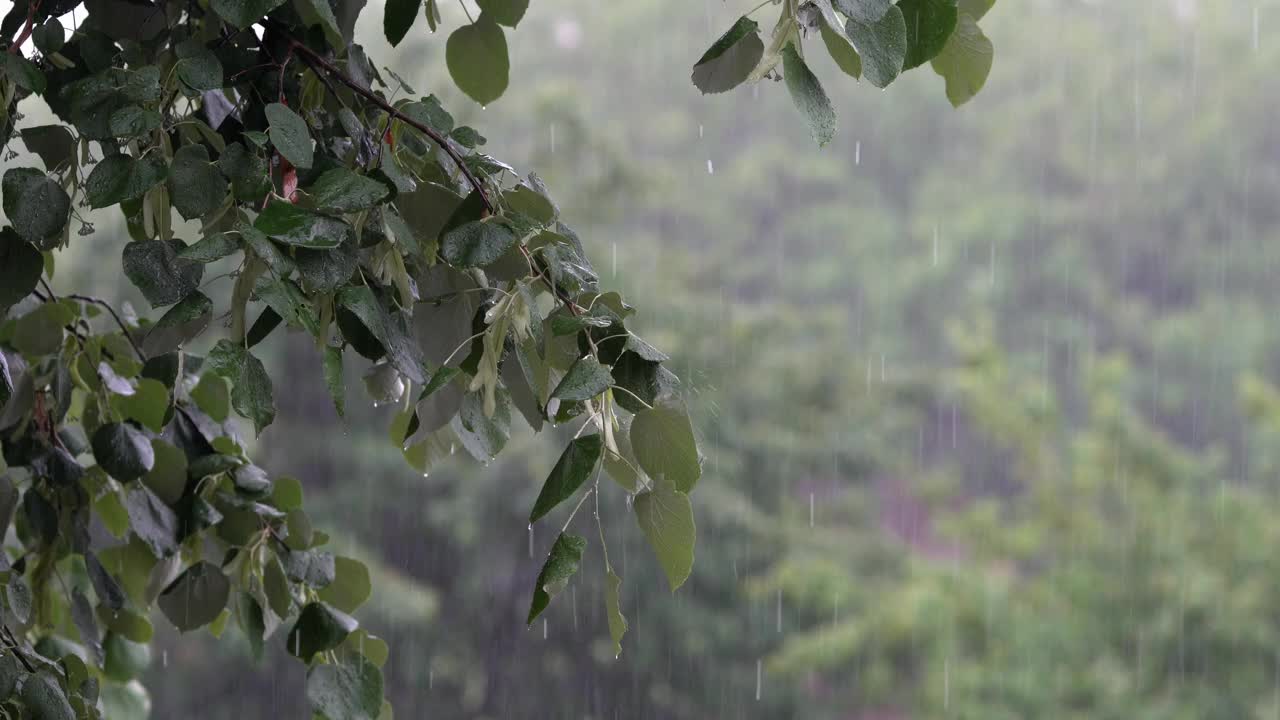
{"x":314,"y":60}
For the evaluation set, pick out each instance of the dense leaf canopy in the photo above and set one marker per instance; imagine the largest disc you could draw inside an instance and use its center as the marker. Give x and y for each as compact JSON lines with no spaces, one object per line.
{"x":354,"y":211}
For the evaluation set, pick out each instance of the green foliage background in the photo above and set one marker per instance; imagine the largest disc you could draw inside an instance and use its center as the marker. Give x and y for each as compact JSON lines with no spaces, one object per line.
{"x":986,"y":395}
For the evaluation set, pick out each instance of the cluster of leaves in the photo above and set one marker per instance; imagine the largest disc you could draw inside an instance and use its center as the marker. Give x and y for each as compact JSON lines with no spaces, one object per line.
{"x":875,"y":39}
{"x":376,"y":226}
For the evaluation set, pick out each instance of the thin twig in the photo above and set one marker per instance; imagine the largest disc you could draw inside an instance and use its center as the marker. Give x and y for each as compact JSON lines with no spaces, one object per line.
{"x":123,"y":328}
{"x":312,"y":58}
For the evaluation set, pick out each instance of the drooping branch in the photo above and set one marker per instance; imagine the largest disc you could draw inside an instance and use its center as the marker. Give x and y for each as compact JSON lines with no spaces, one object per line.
{"x":314,"y":60}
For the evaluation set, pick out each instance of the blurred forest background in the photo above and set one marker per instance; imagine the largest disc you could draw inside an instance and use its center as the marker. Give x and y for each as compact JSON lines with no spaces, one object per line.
{"x":988,"y":397}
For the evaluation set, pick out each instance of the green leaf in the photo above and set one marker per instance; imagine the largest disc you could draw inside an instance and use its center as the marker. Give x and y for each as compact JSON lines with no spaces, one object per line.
{"x":663,"y":443}
{"x":20,"y":268}
{"x":243,"y":13}
{"x":251,"y":393}
{"x":196,"y":186}
{"x":504,"y":12}
{"x":398,"y":17}
{"x":882,"y":46}
{"x":196,"y":598}
{"x":477,"y":243}
{"x":168,"y":476}
{"x":246,"y":171}
{"x":476,"y":55}
{"x":863,"y":11}
{"x":153,"y":266}
{"x":110,"y":594}
{"x":586,"y":379}
{"x":124,"y":658}
{"x":666,"y":519}
{"x":290,"y":136}
{"x":288,"y":301}
{"x":35,"y":205}
{"x":320,"y":12}
{"x":390,"y":328}
{"x":124,"y":452}
{"x":561,"y":564}
{"x":333,"y":378}
{"x":965,"y":62}
{"x":39,"y":332}
{"x":350,"y":587}
{"x":341,"y":190}
{"x":351,"y":690}
{"x":319,"y":627}
{"x":152,"y":521}
{"x":25,"y":73}
{"x":293,"y":225}
{"x":133,"y":121}
{"x":431,"y":113}
{"x":929,"y":25}
{"x":483,"y":436}
{"x":148,"y":405}
{"x":179,"y":325}
{"x":42,"y":694}
{"x":121,"y":177}
{"x":841,"y":50}
{"x":573,"y":468}
{"x":55,"y":144}
{"x":613,"y":611}
{"x":197,"y":67}
{"x":808,"y":96}
{"x":730,"y":59}
{"x":276,"y":586}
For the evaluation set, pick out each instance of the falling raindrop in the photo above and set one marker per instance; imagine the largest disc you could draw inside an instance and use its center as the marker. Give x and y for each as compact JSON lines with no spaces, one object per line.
{"x":778,"y":613}
{"x":810,"y":509}
{"x":936,"y":232}
{"x":453,"y":447}
{"x":615,"y":259}
{"x":759,"y":678}
{"x":164,"y":658}
{"x":711,"y":169}
{"x":544,"y":628}
{"x":699,"y":131}
{"x":530,"y":539}
{"x":857,"y":152}
{"x":1256,"y":22}
{"x":553,"y":137}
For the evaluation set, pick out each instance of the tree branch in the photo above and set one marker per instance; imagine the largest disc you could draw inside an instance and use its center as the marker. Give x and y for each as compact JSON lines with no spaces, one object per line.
{"x":123,"y":328}
{"x":314,"y":60}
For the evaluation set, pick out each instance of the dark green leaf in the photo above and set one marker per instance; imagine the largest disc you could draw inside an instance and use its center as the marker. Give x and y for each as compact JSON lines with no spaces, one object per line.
{"x":929,"y":25}
{"x":124,"y":452}
{"x":476,"y":55}
{"x":319,"y":627}
{"x":121,"y":177}
{"x":20,"y":268}
{"x":293,"y":225}
{"x":613,"y":611}
{"x":155,"y":268}
{"x":125,"y":659}
{"x":730,"y":59}
{"x":196,"y":597}
{"x":575,"y":465}
{"x":351,"y":690}
{"x":431,"y":113}
{"x":341,"y":190}
{"x":110,"y":595}
{"x":25,"y":73}
{"x":168,"y":476}
{"x":46,"y":698}
{"x":133,"y":121}
{"x":55,"y":144}
{"x":251,"y":394}
{"x":389,"y":327}
{"x":398,"y":17}
{"x":561,"y":564}
{"x":504,"y":12}
{"x":196,"y":187}
{"x":35,"y":205}
{"x":243,"y":13}
{"x":40,"y":331}
{"x":211,"y":248}
{"x":586,"y":379}
{"x":881,"y":45}
{"x":288,"y":301}
{"x":483,"y":436}
{"x":289,"y":135}
{"x":148,"y":406}
{"x":152,"y":521}
{"x":476,"y":244}
{"x":197,"y":67}
{"x":180,"y":324}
